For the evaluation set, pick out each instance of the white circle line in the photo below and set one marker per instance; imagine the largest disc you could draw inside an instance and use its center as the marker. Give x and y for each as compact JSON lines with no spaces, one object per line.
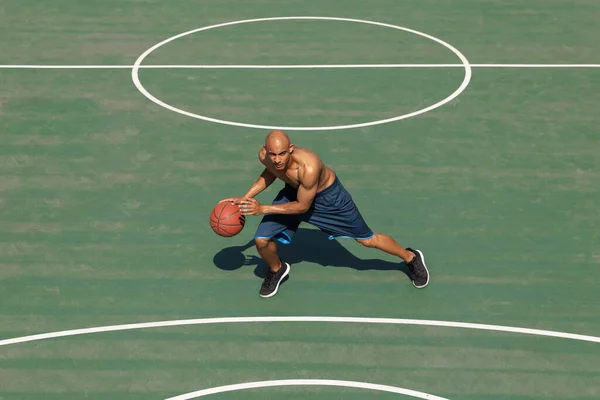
{"x":306,"y":382}
{"x":361,"y":320}
{"x":461,"y":88}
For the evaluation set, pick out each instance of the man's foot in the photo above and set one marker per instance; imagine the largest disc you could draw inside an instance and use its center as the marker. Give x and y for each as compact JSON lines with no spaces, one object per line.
{"x":273,"y":279}
{"x":418,"y":270}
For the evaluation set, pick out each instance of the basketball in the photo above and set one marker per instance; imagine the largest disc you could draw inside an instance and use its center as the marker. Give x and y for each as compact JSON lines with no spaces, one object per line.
{"x":226,"y":219}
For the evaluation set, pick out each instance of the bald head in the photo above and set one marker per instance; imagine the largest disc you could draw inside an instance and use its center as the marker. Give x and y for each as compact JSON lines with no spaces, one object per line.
{"x":277,"y":139}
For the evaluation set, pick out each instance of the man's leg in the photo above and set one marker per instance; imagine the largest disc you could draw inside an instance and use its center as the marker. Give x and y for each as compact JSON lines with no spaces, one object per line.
{"x":275,"y":227}
{"x":277,"y":270}
{"x":267,"y":248}
{"x":414,"y":259}
{"x":389,"y":245}
{"x":268,"y":232}
{"x":336,"y":213}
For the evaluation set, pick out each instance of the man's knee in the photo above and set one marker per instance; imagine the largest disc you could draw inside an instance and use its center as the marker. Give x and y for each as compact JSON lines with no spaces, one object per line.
{"x":370,"y":242}
{"x":262,"y":243}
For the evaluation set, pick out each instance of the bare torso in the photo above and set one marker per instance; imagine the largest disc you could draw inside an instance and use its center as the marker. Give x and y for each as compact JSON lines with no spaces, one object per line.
{"x":300,"y":159}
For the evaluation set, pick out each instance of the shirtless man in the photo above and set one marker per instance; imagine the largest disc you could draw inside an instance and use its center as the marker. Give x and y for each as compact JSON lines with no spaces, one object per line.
{"x":312,"y":194}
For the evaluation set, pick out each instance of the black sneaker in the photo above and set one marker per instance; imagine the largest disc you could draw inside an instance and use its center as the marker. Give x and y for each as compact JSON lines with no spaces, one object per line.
{"x":418,"y":270}
{"x":273,"y":279}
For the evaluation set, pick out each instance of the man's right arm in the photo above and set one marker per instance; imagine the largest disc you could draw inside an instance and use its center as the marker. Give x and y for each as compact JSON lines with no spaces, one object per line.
{"x":264,"y":181}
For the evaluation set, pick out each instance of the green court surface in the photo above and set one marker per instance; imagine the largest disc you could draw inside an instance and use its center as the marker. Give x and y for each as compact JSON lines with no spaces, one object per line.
{"x":105,"y":198}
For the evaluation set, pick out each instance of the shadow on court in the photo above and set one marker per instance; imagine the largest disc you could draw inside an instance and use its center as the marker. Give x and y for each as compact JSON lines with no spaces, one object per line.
{"x":308,"y":245}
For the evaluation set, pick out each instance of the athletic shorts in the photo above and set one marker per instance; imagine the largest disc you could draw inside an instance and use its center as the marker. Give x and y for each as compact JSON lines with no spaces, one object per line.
{"x":333,"y":211}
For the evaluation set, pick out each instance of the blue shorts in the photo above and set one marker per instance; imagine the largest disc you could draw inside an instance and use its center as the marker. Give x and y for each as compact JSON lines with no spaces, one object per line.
{"x":333,"y":211}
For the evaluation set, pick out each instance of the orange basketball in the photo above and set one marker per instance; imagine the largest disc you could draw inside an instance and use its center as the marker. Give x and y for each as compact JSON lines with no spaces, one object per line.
{"x":226,"y":219}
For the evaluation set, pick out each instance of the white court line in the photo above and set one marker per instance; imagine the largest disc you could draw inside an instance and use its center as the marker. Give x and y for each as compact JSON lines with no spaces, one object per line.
{"x":362,"y":320}
{"x":307,"y":382}
{"x":535,"y":65}
{"x":300,"y":66}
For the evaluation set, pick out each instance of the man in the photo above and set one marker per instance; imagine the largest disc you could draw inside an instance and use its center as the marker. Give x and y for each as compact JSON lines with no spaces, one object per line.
{"x":312,"y":194}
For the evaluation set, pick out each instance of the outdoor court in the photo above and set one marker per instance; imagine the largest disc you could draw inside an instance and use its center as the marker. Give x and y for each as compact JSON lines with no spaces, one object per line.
{"x":468,"y":129}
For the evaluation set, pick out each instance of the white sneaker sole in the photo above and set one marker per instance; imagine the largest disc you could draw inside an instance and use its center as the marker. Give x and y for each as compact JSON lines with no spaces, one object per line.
{"x":287,"y":266}
{"x":424,"y":265}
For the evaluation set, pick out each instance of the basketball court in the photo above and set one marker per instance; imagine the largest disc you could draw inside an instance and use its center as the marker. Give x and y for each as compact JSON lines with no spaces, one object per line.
{"x":466,"y":129}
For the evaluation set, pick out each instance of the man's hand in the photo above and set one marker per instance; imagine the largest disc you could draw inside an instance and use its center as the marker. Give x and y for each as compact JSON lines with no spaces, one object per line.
{"x":250,"y":207}
{"x":234,"y":200}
